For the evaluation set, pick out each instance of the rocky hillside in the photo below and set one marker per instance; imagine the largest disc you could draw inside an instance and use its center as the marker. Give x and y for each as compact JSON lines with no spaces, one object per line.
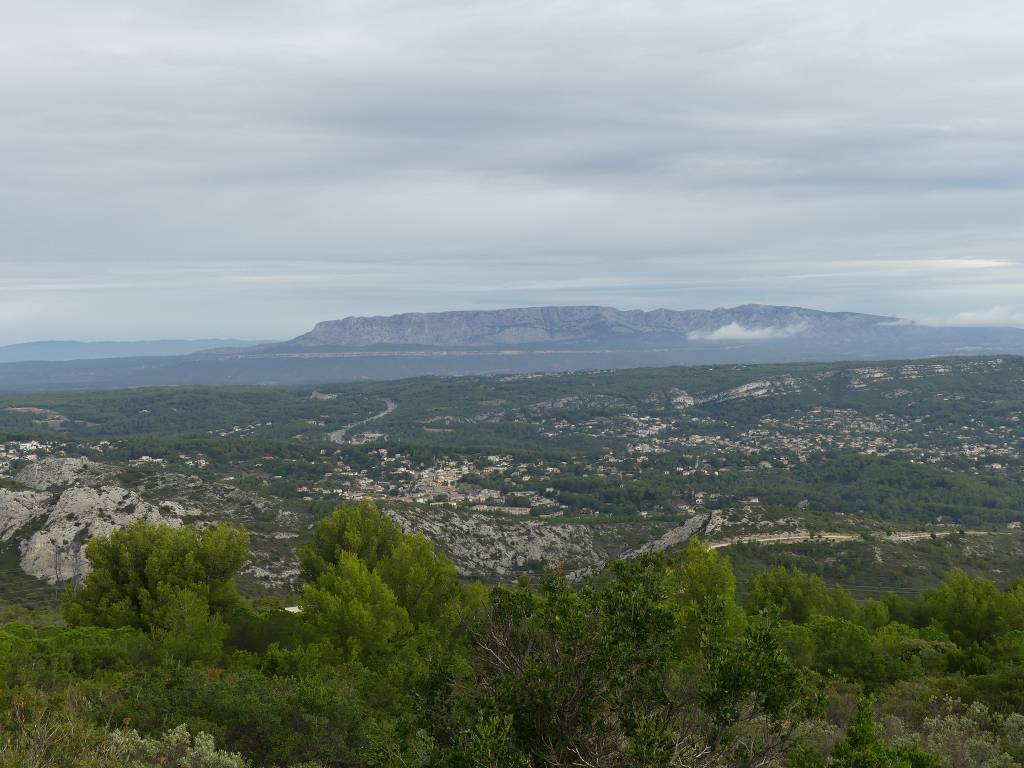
{"x":495,"y":547}
{"x":58,"y":504}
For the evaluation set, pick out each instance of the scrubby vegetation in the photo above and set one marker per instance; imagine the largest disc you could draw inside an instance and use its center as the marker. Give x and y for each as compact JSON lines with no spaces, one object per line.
{"x":393,"y":662}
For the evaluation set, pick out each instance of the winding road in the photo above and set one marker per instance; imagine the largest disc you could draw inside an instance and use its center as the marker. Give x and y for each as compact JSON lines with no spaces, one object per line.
{"x":338,"y":435}
{"x":784,"y":538}
{"x":802,"y":536}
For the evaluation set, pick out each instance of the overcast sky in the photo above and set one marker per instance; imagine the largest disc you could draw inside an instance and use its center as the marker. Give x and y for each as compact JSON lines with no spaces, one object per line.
{"x":230,"y":168}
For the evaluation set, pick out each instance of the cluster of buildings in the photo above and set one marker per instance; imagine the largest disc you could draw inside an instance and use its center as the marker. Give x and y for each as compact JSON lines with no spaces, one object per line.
{"x":11,"y":453}
{"x":635,"y":437}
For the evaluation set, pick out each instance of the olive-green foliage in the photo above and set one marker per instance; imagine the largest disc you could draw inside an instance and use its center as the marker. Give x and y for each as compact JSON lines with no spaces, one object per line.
{"x":577,"y":676}
{"x":188,"y":411}
{"x":836,"y":646}
{"x":41,"y":732}
{"x":350,"y":605}
{"x":175,"y":749}
{"x":174,"y":583}
{"x":52,"y":658}
{"x":490,"y":742}
{"x":274,"y":719}
{"x":697,"y":578}
{"x":974,"y":611}
{"x":368,"y":583}
{"x":423,"y":580}
{"x":887,"y":487}
{"x":651,"y":664}
{"x":968,"y":735}
{"x":799,"y":595}
{"x":864,"y":748}
{"x":359,"y":529}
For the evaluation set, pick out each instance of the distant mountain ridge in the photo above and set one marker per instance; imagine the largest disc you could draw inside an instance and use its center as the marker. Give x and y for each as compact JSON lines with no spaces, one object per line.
{"x":96,"y":350}
{"x":537,"y":325}
{"x":529,"y":340}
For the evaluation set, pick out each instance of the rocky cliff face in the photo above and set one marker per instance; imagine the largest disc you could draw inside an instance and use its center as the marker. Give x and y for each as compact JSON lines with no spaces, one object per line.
{"x":573,"y":324}
{"x":72,"y":500}
{"x":499,"y":548}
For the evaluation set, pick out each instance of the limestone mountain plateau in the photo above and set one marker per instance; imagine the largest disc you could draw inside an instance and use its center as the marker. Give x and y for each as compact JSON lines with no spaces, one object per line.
{"x":533,"y":339}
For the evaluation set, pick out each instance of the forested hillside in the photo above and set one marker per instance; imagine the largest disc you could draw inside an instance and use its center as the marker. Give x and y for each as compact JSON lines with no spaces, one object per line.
{"x":510,"y":473}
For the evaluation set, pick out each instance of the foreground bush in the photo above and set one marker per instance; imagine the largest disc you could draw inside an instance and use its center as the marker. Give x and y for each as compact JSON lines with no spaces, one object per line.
{"x":653,"y":663}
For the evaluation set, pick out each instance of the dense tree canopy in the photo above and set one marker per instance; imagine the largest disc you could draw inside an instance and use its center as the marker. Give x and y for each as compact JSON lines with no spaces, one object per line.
{"x":175,"y":583}
{"x":392,"y":662}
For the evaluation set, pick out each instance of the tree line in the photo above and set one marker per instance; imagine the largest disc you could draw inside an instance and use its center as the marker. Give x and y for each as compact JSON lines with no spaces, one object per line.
{"x":392,"y":661}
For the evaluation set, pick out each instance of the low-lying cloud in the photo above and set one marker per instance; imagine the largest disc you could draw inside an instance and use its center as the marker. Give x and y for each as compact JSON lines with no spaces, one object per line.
{"x":996,"y":316}
{"x":736,"y":332}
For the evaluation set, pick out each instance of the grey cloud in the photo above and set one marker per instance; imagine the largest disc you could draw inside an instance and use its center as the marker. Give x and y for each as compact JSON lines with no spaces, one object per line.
{"x":164,"y":160}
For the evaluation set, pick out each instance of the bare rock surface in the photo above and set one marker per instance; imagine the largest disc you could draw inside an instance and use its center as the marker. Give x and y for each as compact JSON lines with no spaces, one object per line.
{"x":492,"y":547}
{"x":73,"y":500}
{"x":18,"y":509}
{"x":79,"y":514}
{"x":674,"y":537}
{"x":495,"y":547}
{"x":54,"y":472}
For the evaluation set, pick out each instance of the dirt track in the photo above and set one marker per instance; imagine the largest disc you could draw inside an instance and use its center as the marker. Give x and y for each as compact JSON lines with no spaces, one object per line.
{"x":800,"y":537}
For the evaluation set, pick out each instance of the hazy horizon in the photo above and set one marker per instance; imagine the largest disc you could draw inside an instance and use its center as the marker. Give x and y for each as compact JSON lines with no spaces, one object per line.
{"x":245,"y":170}
{"x":983,"y":321}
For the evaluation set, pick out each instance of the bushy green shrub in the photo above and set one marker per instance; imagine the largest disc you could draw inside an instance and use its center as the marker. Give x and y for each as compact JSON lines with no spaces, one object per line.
{"x":175,"y":749}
